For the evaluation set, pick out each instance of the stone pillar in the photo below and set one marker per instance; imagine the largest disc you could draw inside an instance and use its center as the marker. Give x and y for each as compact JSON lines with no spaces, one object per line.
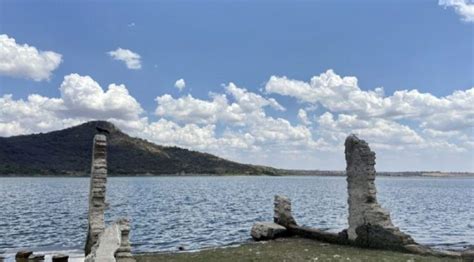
{"x":282,"y":211}
{"x":97,"y":191}
{"x":369,"y":224}
{"x":124,"y":252}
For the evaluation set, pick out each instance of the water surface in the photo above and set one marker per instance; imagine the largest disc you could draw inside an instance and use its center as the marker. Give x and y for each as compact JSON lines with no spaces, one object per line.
{"x":198,"y":212}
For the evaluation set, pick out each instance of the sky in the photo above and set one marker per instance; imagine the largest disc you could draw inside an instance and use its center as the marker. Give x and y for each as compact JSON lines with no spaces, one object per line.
{"x":279,"y":83}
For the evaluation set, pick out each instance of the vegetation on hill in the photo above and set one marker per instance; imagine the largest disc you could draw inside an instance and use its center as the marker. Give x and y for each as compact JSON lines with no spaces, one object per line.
{"x":68,"y":152}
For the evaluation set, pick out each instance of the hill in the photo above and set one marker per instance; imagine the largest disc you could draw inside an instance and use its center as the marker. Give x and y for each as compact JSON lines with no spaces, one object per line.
{"x":68,"y":152}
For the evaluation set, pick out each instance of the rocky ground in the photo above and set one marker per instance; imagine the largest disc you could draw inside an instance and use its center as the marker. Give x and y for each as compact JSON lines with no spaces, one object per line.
{"x":288,"y":249}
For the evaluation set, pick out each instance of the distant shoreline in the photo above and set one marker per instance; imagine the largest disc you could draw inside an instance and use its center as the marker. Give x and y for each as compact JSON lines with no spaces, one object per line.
{"x":280,"y":174}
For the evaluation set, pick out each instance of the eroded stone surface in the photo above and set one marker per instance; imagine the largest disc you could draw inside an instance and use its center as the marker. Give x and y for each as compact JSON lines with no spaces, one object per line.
{"x":369,"y":224}
{"x":282,"y":211}
{"x":97,"y":191}
{"x":113,"y":244}
{"x":267,"y":231}
{"x":106,"y":246}
{"x":124,"y":252}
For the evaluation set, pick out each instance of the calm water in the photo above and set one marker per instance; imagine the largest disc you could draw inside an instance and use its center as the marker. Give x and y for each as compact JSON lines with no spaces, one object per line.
{"x":197,"y":212}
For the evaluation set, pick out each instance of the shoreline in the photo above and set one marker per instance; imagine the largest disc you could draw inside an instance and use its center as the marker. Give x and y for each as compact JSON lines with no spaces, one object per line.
{"x":295,"y":247}
{"x":286,"y":249}
{"x":337,"y":174}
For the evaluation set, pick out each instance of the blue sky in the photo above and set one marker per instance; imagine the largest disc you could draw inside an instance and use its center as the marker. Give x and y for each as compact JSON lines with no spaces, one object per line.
{"x":397,"y":45}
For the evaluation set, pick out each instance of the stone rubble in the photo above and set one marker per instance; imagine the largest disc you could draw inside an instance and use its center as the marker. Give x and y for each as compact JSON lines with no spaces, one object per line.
{"x":267,"y":231}
{"x":370,"y":225}
{"x":282,"y":220}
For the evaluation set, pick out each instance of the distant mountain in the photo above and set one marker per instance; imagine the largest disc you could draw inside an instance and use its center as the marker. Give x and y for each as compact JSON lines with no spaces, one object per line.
{"x":68,"y":152}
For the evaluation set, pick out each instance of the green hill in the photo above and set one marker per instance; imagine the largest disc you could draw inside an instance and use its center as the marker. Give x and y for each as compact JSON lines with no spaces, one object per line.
{"x":68,"y":152}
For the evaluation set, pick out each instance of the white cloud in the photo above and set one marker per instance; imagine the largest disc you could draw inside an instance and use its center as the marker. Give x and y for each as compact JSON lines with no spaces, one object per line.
{"x":82,"y":96}
{"x":26,"y":61}
{"x":191,"y":110}
{"x":82,"y":99}
{"x":303,"y":117}
{"x":464,"y":8}
{"x":409,"y":130}
{"x":379,"y":132}
{"x":180,"y":84}
{"x":343,"y":95}
{"x":247,"y":126}
{"x":251,"y":101}
{"x":131,"y":59}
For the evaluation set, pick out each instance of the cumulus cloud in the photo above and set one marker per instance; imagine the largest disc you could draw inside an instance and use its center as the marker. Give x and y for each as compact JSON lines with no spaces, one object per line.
{"x":82,"y":96}
{"x":248,"y":128}
{"x":180,"y":84}
{"x":408,"y":129}
{"x":303,"y":117}
{"x":381,"y":132}
{"x":191,"y":110}
{"x":219,"y":108}
{"x":343,"y":95}
{"x":131,"y":59}
{"x":24,"y":61}
{"x":464,"y":8}
{"x":422,"y":125}
{"x":82,"y":99}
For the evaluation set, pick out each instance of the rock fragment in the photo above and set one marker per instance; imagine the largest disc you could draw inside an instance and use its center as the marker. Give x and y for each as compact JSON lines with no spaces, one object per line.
{"x":267,"y":231}
{"x":282,"y":211}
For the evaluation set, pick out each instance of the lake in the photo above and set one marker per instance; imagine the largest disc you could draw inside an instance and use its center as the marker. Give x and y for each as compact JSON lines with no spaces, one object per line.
{"x":197,"y":212}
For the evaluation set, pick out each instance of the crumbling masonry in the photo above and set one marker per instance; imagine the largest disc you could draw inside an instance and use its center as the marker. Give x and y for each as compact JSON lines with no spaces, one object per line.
{"x":97,"y":192}
{"x":369,"y":224}
{"x":111,"y":243}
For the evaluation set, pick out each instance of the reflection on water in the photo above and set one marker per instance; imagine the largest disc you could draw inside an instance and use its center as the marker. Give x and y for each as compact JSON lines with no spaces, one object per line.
{"x":197,"y":212}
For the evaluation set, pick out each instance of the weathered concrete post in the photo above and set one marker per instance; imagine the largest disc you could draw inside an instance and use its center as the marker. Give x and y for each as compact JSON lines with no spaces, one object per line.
{"x":97,"y":191}
{"x":124,"y":252}
{"x":369,"y":224}
{"x":282,"y":211}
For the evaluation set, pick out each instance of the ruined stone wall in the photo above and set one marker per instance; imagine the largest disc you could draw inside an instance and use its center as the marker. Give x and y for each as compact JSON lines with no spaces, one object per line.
{"x":97,"y":191}
{"x":363,"y":206}
{"x":369,"y":224}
